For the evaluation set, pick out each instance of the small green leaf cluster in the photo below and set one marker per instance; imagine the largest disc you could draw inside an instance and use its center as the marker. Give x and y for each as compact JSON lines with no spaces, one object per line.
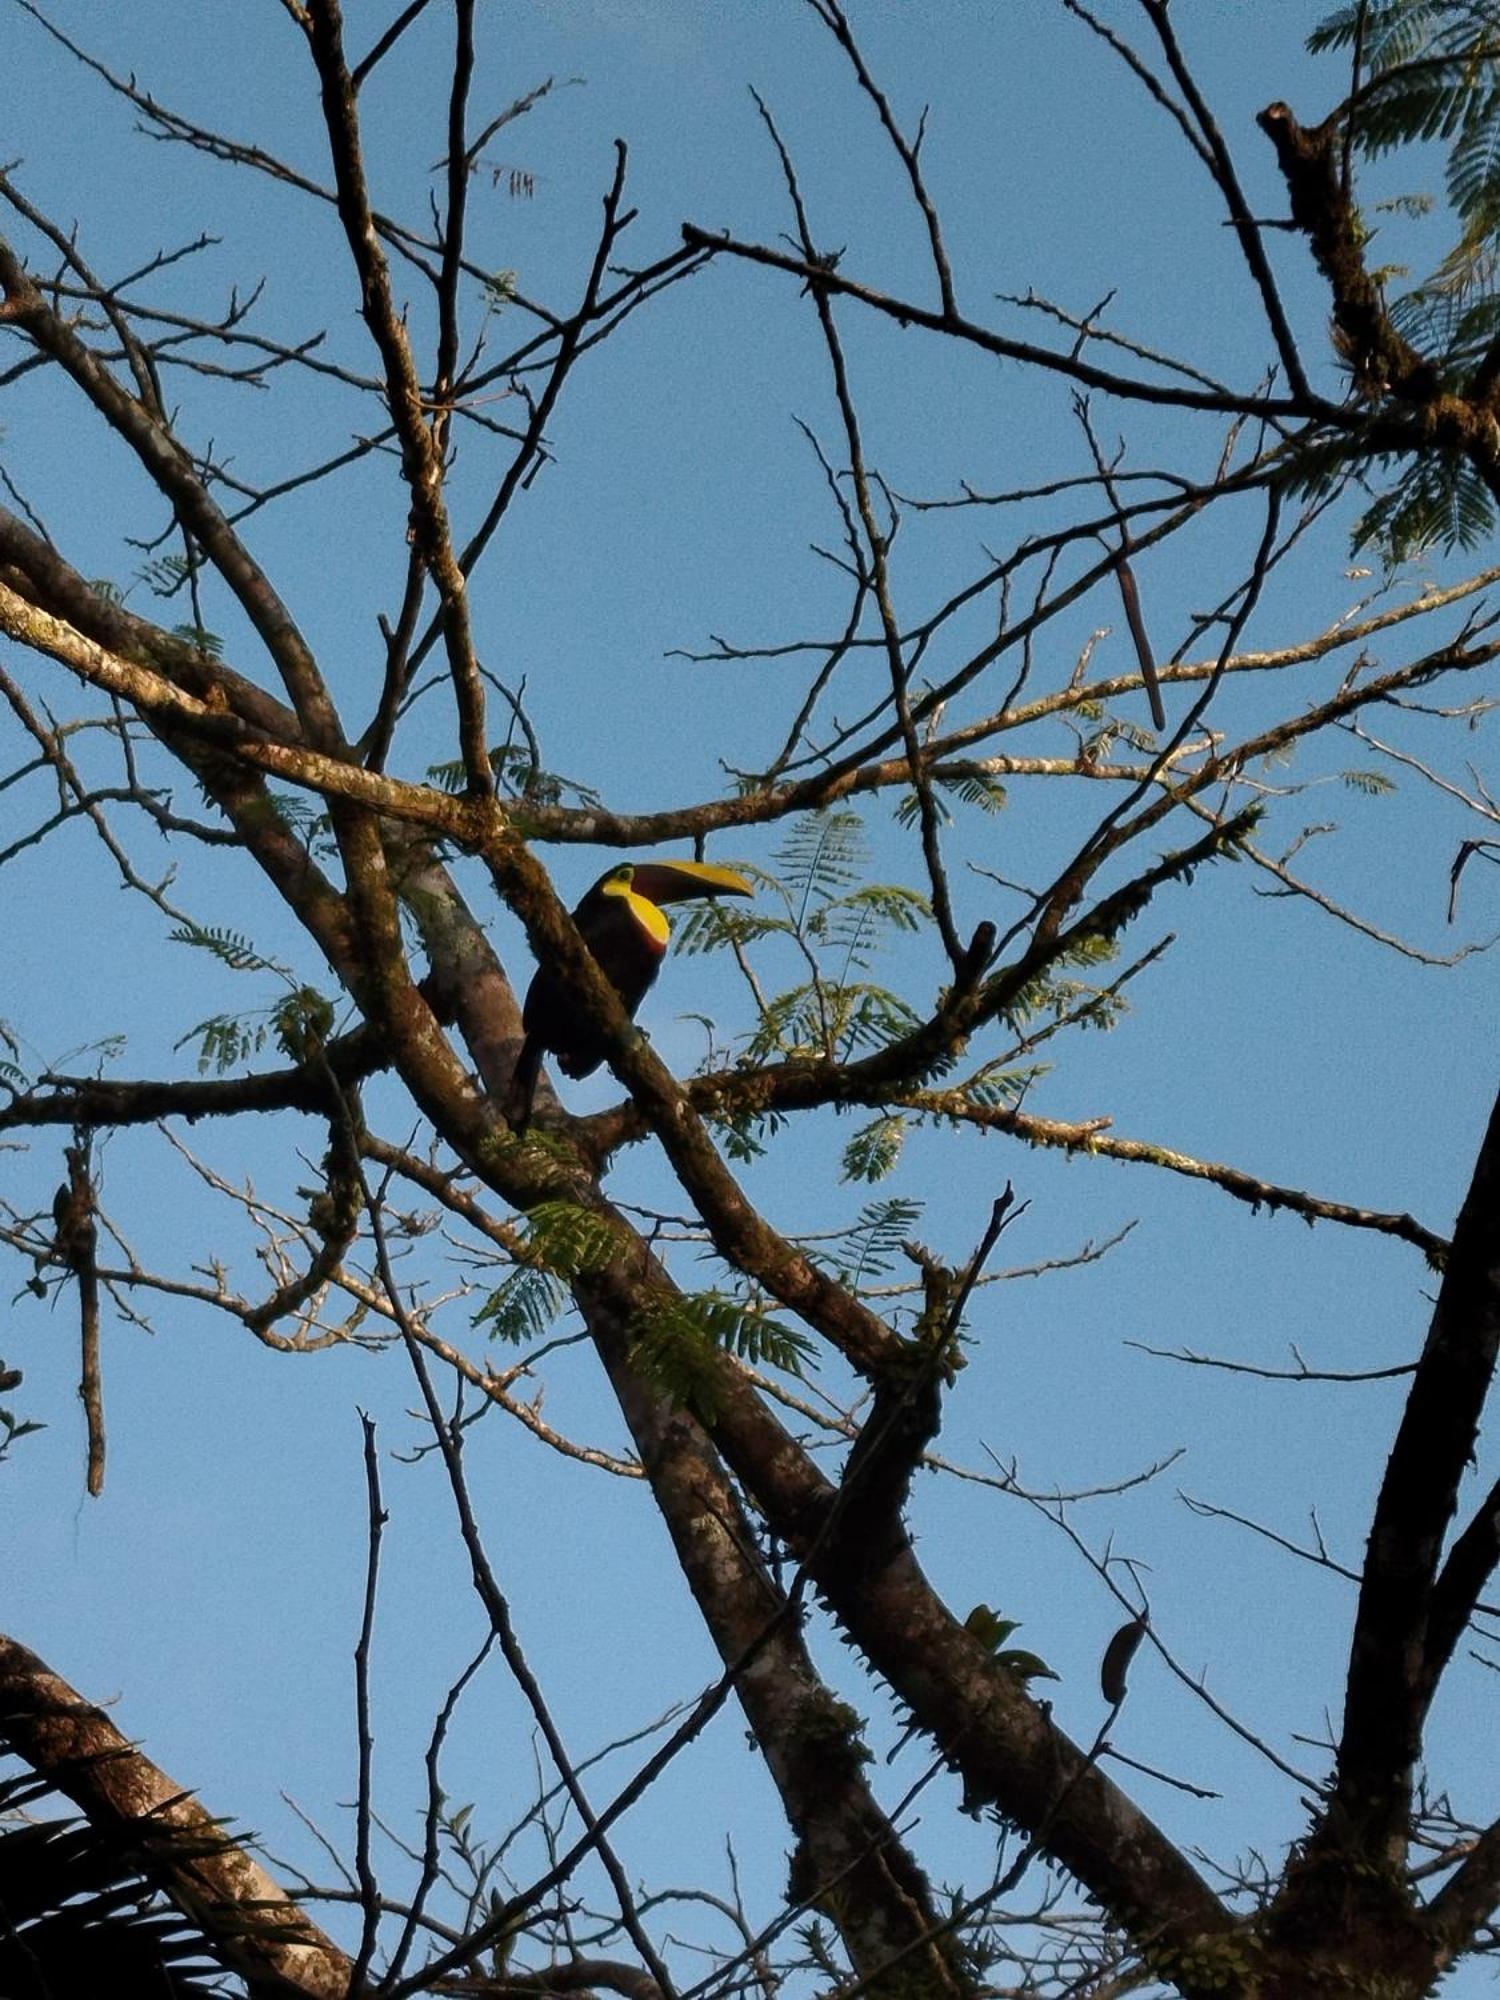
{"x":225,"y":1041}
{"x":875,"y":1149}
{"x":11,"y":1073}
{"x":302,"y":1023}
{"x":12,"y":1426}
{"x":1374,"y":784}
{"x":992,"y":1631}
{"x":200,"y":636}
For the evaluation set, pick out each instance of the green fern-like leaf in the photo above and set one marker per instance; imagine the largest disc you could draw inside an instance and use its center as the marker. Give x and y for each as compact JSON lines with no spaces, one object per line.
{"x":744,"y":1136}
{"x":1000,"y":1086}
{"x":231,"y":948}
{"x":523,"y":1307}
{"x":201,"y":637}
{"x":1371,"y":783}
{"x":449,"y":776}
{"x":875,"y":1149}
{"x":567,"y":1239}
{"x":1394,"y":30}
{"x":1473,"y":176}
{"x":675,"y":1343}
{"x":1442,"y":503}
{"x":898,"y":908}
{"x":821,"y":855}
{"x":908,"y":807}
{"x":870,"y":1246}
{"x":975,"y":788}
{"x":709,"y":926}
{"x":809,"y":1021}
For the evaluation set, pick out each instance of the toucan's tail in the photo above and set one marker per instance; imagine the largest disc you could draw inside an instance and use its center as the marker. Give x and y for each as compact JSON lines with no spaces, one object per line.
{"x":523,"y":1084}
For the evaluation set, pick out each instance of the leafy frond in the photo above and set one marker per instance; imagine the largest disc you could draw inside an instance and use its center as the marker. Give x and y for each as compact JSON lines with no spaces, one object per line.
{"x":566,"y":1238}
{"x":822,"y":1020}
{"x":975,"y":788}
{"x":1473,"y":177}
{"x":200,"y":636}
{"x":302,"y":1023}
{"x":523,"y":1307}
{"x":869,"y":1247}
{"x":1394,"y":30}
{"x":888,"y":903}
{"x":821,"y":854}
{"x":675,"y":1341}
{"x":998,"y":1085}
{"x":81,"y":1915}
{"x":875,"y":1149}
{"x":710,"y":926}
{"x":231,"y":948}
{"x":745,"y":1134}
{"x":1442,"y":503}
{"x":1314,"y":467}
{"x":1051,"y":994}
{"x":518,"y":777}
{"x":1369,"y":782}
{"x":970,"y":788}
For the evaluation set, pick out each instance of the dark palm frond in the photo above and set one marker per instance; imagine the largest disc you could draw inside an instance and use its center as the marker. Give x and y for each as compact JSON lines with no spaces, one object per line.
{"x":79,"y":1916}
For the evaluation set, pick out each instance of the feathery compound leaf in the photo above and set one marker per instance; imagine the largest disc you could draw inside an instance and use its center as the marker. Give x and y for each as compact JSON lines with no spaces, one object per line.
{"x":674,"y":1344}
{"x":1393,"y":32}
{"x":1371,"y":782}
{"x":517,"y":776}
{"x":200,"y":636}
{"x":902,"y":909}
{"x":709,"y":926}
{"x":523,"y":1307}
{"x":302,"y":1023}
{"x":821,"y":855}
{"x":231,"y":948}
{"x":875,"y":1149}
{"x":567,"y":1239}
{"x":975,"y":788}
{"x":1474,"y":164}
{"x":1004,"y":1087}
{"x":1443,"y":503}
{"x":869,"y":1247}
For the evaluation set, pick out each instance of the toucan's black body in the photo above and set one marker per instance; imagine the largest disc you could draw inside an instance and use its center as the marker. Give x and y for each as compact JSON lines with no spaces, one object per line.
{"x":621,"y":922}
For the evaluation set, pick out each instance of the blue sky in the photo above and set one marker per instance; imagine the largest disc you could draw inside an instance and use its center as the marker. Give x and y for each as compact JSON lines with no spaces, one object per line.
{"x":215,"y":1588}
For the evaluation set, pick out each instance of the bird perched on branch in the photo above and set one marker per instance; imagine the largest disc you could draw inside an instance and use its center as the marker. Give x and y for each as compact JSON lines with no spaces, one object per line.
{"x":622,"y":922}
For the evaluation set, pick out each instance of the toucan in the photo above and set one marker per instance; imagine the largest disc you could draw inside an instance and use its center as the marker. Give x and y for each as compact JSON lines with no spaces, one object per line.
{"x":622,"y":922}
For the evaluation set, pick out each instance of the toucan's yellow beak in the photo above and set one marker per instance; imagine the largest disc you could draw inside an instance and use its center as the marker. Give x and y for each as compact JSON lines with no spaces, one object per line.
{"x":678,"y":881}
